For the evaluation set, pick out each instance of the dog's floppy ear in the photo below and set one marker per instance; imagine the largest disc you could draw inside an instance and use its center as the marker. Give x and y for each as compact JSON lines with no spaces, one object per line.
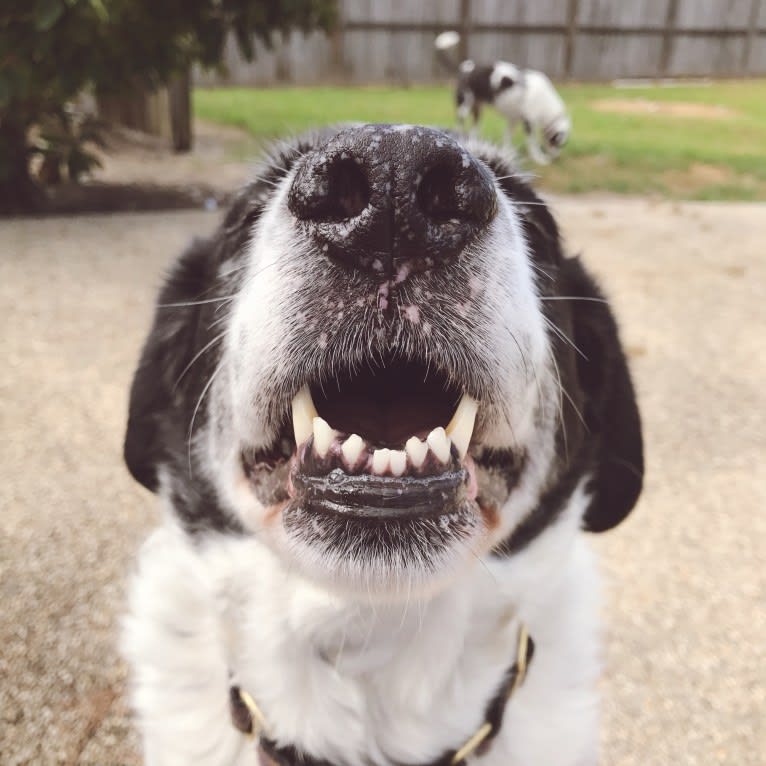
{"x":610,"y":410}
{"x":160,"y":409}
{"x":167,"y":350}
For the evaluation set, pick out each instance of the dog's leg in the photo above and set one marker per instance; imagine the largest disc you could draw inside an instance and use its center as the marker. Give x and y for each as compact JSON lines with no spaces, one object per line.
{"x":475,"y":114}
{"x":533,"y":147}
{"x":510,"y":129}
{"x":465,"y":104}
{"x":463,"y":114}
{"x":174,"y":643}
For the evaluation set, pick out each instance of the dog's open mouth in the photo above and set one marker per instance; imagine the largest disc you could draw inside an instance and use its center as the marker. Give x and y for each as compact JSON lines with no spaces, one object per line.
{"x":389,"y":441}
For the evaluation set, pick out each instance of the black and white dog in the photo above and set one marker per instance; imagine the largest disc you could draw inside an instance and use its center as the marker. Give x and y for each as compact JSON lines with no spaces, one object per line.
{"x":378,"y":405}
{"x":522,"y":96}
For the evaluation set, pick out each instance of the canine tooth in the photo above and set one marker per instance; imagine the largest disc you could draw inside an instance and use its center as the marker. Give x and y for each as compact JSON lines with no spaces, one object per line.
{"x":304,"y":413}
{"x":352,"y":448}
{"x":439,"y":443}
{"x":460,"y":428}
{"x":323,"y":436}
{"x":380,"y":460}
{"x":398,"y":460}
{"x":416,"y":450}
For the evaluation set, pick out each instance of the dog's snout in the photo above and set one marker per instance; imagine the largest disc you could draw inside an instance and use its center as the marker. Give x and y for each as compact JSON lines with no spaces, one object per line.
{"x":379,"y":197}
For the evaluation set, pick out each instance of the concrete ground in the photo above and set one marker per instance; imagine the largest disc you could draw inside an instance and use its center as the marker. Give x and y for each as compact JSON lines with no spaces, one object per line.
{"x":684,"y":680}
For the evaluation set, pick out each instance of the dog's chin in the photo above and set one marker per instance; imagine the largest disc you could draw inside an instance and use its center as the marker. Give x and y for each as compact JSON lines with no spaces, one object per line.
{"x":378,"y":553}
{"x":380,"y":536}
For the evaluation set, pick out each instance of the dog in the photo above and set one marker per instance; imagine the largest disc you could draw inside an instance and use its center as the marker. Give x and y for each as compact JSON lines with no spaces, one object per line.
{"x":522,"y":96}
{"x":379,"y":405}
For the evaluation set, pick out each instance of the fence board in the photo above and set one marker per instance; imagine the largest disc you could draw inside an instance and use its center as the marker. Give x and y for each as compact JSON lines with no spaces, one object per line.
{"x":530,"y":50}
{"x":757,"y":58}
{"x":543,"y":12}
{"x":713,"y":14}
{"x":605,"y":57}
{"x":696,"y":56}
{"x":392,"y":41}
{"x":638,"y":13}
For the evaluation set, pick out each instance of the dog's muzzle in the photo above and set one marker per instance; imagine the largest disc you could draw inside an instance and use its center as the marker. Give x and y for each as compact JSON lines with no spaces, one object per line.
{"x":377,"y":457}
{"x":380,"y":198}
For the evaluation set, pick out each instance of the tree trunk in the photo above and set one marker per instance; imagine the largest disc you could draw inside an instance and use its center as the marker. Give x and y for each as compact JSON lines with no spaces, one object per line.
{"x":18,"y":192}
{"x":179,"y":92}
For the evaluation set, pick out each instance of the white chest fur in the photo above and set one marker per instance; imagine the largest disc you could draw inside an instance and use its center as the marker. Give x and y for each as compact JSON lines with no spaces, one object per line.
{"x":354,"y":682}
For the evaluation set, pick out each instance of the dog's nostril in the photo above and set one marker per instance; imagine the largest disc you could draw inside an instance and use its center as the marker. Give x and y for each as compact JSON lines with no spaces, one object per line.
{"x":437,"y":197}
{"x":349,"y":191}
{"x":461,"y":194}
{"x":340,"y":192}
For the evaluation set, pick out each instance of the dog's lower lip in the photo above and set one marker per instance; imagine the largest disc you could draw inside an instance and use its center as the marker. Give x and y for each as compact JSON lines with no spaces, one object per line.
{"x":367,"y":496}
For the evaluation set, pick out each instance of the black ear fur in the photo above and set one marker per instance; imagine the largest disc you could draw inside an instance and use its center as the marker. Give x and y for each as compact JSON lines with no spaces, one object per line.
{"x":610,"y":409}
{"x":168,"y":349}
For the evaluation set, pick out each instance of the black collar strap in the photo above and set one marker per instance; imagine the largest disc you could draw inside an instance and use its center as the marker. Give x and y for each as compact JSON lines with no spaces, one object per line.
{"x":247,"y":717}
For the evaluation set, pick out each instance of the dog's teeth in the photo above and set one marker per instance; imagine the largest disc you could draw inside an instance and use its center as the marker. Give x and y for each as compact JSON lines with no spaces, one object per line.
{"x":323,"y":436}
{"x":352,"y":449}
{"x":398,"y":461}
{"x":416,"y":451}
{"x":304,"y":413}
{"x":460,"y":428}
{"x":439,"y":443}
{"x":380,"y":460}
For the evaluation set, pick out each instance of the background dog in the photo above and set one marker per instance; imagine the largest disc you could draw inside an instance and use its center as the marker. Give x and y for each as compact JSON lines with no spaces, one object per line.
{"x":378,"y":405}
{"x":522,"y":96}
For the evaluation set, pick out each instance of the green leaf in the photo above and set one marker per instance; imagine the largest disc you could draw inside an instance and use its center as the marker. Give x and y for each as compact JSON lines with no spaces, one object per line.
{"x":100,"y":9}
{"x":47,"y":13}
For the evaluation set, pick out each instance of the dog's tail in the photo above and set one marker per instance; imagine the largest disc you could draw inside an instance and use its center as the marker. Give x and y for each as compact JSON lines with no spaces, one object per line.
{"x":446,"y":51}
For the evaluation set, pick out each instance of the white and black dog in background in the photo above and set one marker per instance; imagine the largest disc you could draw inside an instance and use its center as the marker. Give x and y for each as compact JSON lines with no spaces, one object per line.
{"x":522,"y":96}
{"x":379,"y":406}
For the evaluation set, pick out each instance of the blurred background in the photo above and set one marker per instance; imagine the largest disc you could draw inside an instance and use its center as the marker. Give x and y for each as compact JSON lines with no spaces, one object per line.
{"x":664,"y":95}
{"x":125,"y":126}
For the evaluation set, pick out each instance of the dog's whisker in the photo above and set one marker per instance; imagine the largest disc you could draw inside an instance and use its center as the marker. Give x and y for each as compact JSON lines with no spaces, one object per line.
{"x":406,"y":609}
{"x":207,"y":346}
{"x":194,"y":414}
{"x":522,"y":355}
{"x":561,"y":419}
{"x":525,"y":203}
{"x":572,"y":298}
{"x":565,"y":393}
{"x":563,"y":336}
{"x":467,"y":546}
{"x":540,"y":270}
{"x":186,"y":304}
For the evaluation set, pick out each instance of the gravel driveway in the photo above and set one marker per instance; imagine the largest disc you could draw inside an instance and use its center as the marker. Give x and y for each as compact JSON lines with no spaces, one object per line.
{"x":684,"y":679}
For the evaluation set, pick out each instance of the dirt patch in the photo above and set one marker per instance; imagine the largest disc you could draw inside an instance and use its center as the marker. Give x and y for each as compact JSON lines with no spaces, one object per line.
{"x":697,"y":176}
{"x":681,"y":109}
{"x":220,"y":159}
{"x":140,"y":172}
{"x":97,"y":197}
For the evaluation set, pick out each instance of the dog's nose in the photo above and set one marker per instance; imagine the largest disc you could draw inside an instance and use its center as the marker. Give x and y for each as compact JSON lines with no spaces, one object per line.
{"x":392,"y":198}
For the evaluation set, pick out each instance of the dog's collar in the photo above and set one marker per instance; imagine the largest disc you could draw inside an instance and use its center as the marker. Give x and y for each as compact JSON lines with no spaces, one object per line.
{"x":248,"y":718}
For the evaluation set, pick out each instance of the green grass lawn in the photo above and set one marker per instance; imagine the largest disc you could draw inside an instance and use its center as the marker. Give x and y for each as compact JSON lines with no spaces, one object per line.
{"x":684,"y":142}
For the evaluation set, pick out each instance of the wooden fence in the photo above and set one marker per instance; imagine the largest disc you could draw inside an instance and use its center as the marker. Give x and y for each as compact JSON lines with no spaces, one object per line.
{"x":392,"y":41}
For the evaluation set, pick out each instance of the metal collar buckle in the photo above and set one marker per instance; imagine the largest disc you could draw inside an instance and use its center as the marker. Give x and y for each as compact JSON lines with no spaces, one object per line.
{"x":245,"y":713}
{"x":479,"y":738}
